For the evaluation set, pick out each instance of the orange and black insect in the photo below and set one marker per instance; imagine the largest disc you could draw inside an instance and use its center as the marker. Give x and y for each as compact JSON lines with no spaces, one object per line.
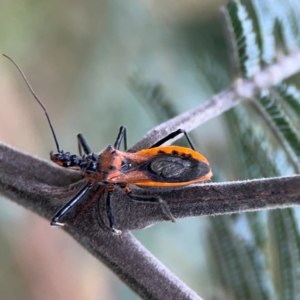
{"x":157,"y":166}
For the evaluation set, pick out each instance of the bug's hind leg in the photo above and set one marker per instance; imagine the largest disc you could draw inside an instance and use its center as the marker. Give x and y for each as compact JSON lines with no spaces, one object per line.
{"x":110,"y":215}
{"x":171,"y":136}
{"x":154,"y":200}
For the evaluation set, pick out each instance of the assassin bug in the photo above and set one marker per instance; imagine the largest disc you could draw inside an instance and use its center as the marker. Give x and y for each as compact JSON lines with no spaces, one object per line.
{"x":157,"y":166}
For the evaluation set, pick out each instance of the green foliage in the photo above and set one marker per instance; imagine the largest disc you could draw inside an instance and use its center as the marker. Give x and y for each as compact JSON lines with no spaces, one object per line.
{"x":288,"y":24}
{"x":251,"y":44}
{"x":281,"y":123}
{"x":238,"y":263}
{"x":153,"y":95}
{"x":245,"y":50}
{"x":254,"y":145}
{"x":214,"y":74}
{"x":285,"y":248}
{"x":290,"y":95}
{"x":265,"y":29}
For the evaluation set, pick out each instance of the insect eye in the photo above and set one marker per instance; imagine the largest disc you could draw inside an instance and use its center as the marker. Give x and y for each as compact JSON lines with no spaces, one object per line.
{"x":66,"y":164}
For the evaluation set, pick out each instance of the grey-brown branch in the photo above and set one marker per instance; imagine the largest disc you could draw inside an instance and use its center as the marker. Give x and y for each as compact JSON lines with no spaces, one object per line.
{"x":43,"y":188}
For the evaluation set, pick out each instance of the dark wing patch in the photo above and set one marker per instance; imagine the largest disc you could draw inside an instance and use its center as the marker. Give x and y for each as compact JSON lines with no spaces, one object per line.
{"x":168,"y":168}
{"x":173,"y":168}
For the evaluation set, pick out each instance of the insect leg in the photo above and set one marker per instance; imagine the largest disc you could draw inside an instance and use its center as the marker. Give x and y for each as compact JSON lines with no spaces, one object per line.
{"x":95,"y":196}
{"x":171,"y":136}
{"x":154,"y":200}
{"x":69,"y":205}
{"x":121,"y":135}
{"x":82,"y":144}
{"x":110,"y":215}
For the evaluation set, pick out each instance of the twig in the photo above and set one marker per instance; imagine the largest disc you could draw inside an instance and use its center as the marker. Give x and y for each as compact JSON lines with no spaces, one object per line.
{"x":285,"y":67}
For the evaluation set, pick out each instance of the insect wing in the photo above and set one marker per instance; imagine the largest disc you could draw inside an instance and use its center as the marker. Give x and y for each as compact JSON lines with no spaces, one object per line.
{"x":173,"y":168}
{"x":164,"y":166}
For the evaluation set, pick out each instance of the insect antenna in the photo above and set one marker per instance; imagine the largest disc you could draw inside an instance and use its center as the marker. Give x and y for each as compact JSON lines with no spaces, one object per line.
{"x":37,"y":99}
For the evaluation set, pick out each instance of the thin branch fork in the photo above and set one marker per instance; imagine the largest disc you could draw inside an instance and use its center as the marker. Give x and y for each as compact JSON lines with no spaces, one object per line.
{"x":44,"y":188}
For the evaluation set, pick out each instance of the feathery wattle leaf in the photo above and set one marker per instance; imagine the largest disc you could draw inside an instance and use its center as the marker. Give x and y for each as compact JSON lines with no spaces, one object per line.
{"x":254,"y":150}
{"x":288,"y":24}
{"x":265,"y":29}
{"x":154,"y":96}
{"x":285,"y":237}
{"x":246,"y":54}
{"x":240,"y":265}
{"x":281,"y":126}
{"x":290,"y":95}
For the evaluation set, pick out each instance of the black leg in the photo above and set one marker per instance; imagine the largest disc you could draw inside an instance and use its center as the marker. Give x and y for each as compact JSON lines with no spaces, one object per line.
{"x":121,"y":135}
{"x":154,"y":200}
{"x":69,"y":205}
{"x":82,"y":144}
{"x":98,"y":192}
{"x":171,"y":136}
{"x":110,"y":215}
{"x":100,"y":218}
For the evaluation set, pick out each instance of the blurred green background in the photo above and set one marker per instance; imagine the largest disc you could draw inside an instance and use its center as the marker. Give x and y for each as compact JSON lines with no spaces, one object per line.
{"x":78,"y":55}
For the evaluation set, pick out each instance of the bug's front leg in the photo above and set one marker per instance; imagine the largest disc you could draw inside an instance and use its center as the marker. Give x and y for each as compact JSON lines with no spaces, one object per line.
{"x":69,"y":205}
{"x":110,"y":215}
{"x":154,"y":200}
